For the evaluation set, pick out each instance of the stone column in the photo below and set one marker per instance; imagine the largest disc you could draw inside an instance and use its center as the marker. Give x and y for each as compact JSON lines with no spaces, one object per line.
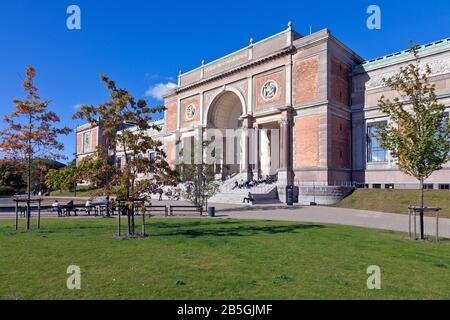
{"x":285,"y":173}
{"x":284,"y":144}
{"x":265,"y":153}
{"x":245,"y":141}
{"x":256,"y":150}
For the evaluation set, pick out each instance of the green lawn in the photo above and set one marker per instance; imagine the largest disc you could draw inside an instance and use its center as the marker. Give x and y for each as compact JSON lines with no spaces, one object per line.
{"x":83,"y":192}
{"x":395,"y":201}
{"x":218,"y":259}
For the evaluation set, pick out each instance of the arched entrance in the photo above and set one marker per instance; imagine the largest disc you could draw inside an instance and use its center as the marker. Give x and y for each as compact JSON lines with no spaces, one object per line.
{"x":224,"y":113}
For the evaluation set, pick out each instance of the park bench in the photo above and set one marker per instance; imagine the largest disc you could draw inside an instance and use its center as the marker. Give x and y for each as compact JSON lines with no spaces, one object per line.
{"x":151,"y":208}
{"x":185,"y":209}
{"x":88,"y":209}
{"x":22,"y":210}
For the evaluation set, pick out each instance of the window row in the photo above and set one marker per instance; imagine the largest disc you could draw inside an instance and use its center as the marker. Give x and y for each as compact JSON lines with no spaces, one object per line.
{"x":376,"y":153}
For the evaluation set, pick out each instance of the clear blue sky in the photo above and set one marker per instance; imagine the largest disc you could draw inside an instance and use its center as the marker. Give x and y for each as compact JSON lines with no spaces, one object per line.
{"x":141,"y":44}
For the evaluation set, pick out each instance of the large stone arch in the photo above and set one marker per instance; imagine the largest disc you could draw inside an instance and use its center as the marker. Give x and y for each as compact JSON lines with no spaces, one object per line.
{"x":223,"y":113}
{"x":228,"y":102}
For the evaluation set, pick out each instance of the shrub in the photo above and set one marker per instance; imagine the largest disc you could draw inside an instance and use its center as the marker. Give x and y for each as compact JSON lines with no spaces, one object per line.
{"x":7,"y":191}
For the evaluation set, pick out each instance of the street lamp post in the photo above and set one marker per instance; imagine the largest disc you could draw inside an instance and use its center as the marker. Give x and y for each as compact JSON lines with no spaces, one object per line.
{"x":75,"y":177}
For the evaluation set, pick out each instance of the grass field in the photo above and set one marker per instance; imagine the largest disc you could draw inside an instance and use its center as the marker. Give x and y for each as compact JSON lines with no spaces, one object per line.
{"x":82,"y":192}
{"x":395,"y":201}
{"x":218,"y":259}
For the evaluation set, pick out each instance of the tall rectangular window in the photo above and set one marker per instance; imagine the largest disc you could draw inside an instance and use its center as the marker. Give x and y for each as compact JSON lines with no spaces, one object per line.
{"x":444,"y":119}
{"x":86,"y":142}
{"x":139,"y":158}
{"x":152,"y":158}
{"x":119,"y":165}
{"x":375,"y":153}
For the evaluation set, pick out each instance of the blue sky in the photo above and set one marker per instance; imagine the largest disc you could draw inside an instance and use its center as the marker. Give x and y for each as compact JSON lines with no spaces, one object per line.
{"x":142,"y":44}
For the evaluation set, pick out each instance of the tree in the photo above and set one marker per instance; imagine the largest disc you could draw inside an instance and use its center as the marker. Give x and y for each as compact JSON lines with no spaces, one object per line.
{"x":200,"y":183}
{"x":39,"y":169}
{"x":31,"y":131}
{"x":61,"y":179}
{"x":417,"y":135}
{"x":95,"y":171}
{"x":126,"y":122}
{"x":11,"y":174}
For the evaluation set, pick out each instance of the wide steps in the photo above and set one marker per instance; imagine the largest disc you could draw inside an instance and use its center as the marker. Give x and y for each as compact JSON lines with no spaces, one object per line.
{"x":260,"y":194}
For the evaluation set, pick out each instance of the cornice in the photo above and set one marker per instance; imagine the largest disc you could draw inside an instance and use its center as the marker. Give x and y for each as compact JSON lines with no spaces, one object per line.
{"x":276,"y":55}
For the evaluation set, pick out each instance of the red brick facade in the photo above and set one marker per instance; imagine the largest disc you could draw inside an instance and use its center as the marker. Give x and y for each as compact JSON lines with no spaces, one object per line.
{"x":278,"y":99}
{"x":184,"y":104}
{"x":340,"y":155}
{"x":171,"y":117}
{"x":307,"y":141}
{"x":340,"y":73}
{"x":306,"y":80}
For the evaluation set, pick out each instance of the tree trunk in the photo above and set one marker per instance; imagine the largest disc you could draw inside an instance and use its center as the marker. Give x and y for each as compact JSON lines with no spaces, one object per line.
{"x":129,"y":217}
{"x":421,"y":204}
{"x":124,"y":145}
{"x":29,"y":153}
{"x":29,"y":193}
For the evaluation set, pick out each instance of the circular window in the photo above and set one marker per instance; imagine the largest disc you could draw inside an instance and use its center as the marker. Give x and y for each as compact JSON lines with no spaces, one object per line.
{"x":190,"y":111}
{"x":269,"y":90}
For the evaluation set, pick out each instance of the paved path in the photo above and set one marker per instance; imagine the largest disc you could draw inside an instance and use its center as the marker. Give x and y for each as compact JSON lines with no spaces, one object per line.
{"x":280,"y":212}
{"x":351,"y":217}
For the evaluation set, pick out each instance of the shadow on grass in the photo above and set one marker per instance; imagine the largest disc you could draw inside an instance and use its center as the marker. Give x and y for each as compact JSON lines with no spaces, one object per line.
{"x":197,"y":229}
{"x":260,"y":208}
{"x":196,"y":223}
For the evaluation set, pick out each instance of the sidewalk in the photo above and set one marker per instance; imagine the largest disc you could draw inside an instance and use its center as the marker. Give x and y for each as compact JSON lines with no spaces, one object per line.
{"x":330,"y":215}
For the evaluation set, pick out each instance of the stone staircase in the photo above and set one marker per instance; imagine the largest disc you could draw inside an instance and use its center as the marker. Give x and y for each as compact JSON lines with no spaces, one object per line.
{"x":261,"y":194}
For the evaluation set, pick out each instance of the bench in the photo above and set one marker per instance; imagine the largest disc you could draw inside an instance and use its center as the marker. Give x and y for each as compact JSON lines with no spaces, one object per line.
{"x":88,"y":209}
{"x":23,"y":209}
{"x":150,"y":209}
{"x":185,"y":209}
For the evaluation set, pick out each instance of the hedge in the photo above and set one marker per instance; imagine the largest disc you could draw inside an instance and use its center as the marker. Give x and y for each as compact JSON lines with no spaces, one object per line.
{"x":7,"y":191}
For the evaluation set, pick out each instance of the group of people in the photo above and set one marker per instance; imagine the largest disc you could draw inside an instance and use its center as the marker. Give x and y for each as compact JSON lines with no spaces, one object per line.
{"x":64,"y":209}
{"x":68,"y":208}
{"x":252,"y":183}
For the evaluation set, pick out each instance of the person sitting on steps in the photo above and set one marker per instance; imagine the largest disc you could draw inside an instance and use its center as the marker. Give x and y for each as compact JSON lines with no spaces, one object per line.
{"x":248,"y":199}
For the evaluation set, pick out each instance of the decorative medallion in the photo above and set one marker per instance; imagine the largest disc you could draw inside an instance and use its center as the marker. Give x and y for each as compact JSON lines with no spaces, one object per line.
{"x":190,"y":111}
{"x":269,"y":90}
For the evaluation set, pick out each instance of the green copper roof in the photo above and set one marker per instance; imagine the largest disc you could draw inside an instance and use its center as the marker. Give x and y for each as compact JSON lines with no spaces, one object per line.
{"x":404,"y":53}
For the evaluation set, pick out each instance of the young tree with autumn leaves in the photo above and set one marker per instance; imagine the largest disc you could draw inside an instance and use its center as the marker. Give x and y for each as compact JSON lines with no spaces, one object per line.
{"x":126,"y":122}
{"x":31,"y":132}
{"x":418,"y":133}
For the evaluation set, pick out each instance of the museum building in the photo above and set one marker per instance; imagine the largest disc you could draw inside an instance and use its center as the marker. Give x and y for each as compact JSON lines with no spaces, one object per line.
{"x":306,"y":107}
